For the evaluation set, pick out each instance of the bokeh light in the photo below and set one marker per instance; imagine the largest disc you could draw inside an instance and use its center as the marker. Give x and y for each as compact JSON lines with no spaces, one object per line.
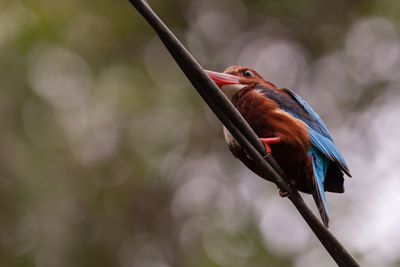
{"x":110,"y":158}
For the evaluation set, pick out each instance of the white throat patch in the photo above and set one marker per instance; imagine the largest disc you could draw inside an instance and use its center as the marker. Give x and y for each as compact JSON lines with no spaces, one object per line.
{"x":231,"y":89}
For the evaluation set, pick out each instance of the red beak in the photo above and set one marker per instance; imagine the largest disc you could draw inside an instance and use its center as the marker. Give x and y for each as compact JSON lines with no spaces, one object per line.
{"x":222,"y":79}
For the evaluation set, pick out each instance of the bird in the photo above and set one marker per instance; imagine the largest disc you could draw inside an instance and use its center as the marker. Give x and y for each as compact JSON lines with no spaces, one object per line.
{"x":290,"y":130}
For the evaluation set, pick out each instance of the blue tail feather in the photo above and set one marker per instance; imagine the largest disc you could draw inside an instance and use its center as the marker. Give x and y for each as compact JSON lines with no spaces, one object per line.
{"x":320,"y":165}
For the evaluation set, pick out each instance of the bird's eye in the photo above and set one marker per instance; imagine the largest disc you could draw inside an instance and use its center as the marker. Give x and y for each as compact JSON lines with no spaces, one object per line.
{"x":248,"y":74}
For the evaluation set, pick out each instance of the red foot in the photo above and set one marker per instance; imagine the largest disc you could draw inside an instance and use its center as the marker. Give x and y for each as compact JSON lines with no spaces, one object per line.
{"x":270,"y":140}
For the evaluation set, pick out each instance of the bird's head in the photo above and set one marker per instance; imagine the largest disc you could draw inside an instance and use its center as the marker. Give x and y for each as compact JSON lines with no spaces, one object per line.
{"x":235,"y":78}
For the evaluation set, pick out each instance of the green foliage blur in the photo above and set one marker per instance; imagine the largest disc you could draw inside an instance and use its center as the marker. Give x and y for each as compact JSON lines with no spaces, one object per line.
{"x":109,"y":158}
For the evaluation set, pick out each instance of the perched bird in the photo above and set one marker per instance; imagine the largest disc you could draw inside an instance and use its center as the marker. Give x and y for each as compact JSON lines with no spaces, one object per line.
{"x":290,"y":130}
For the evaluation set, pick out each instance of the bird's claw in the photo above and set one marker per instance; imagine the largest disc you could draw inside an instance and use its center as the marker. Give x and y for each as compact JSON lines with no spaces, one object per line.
{"x":270,"y":140}
{"x":284,"y":193}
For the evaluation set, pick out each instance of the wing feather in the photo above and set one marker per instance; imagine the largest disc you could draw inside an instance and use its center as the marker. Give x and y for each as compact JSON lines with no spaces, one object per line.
{"x":319,"y":134}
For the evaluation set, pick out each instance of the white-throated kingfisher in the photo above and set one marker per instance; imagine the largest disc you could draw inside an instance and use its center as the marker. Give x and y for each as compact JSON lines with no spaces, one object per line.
{"x":290,"y":130}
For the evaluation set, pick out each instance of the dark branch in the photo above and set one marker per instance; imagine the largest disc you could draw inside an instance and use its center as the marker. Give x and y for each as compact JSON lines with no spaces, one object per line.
{"x":240,"y":129}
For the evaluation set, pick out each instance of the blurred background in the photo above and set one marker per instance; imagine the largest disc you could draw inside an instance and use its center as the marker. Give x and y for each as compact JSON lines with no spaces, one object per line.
{"x":110,"y":158}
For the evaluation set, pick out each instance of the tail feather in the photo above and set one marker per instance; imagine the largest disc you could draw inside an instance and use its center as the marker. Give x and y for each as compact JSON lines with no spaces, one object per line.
{"x":321,"y":205}
{"x":320,"y":165}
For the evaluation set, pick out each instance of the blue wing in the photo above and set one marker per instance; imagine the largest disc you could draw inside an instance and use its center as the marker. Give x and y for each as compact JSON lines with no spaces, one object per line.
{"x":316,"y":123}
{"x":319,"y":134}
